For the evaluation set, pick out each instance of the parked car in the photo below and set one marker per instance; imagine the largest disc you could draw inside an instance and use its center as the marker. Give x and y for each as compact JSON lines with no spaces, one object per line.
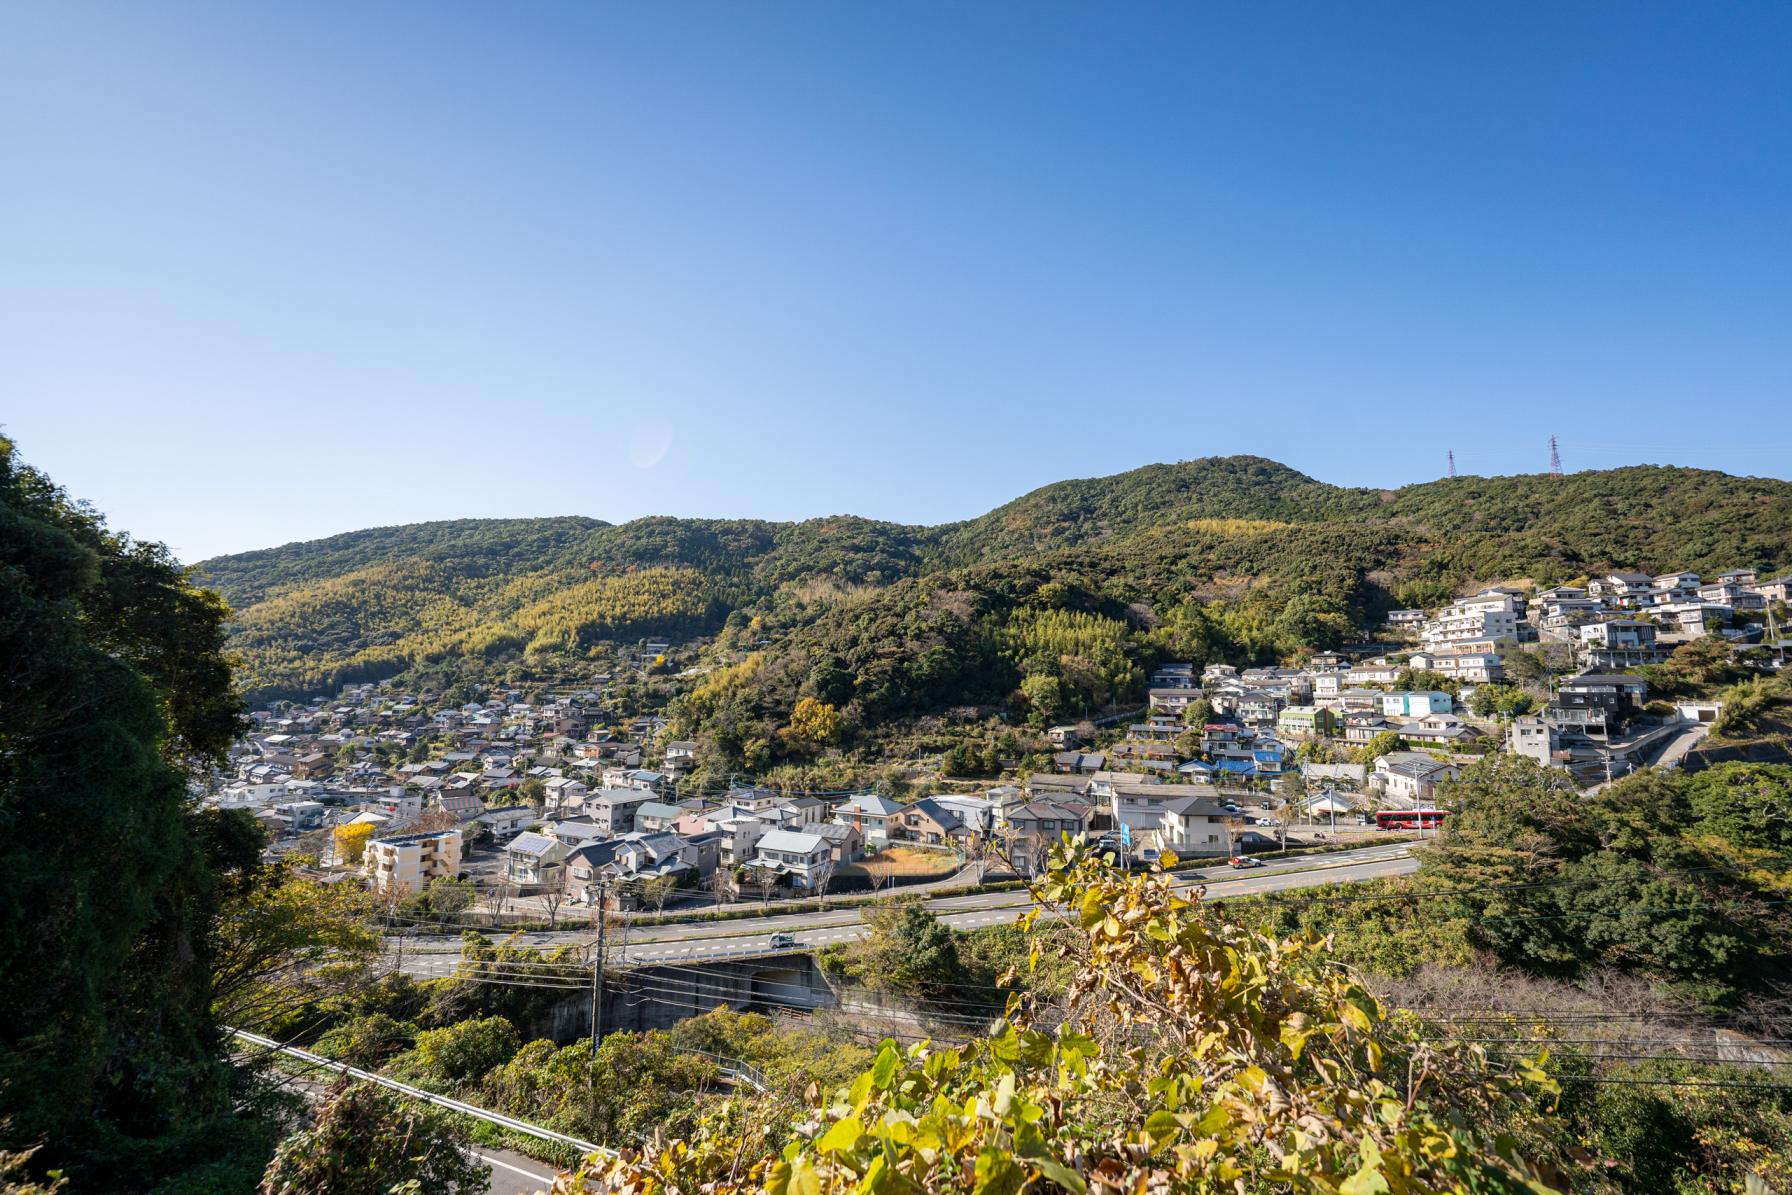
{"x":783,"y":941}
{"x":1246,"y":861}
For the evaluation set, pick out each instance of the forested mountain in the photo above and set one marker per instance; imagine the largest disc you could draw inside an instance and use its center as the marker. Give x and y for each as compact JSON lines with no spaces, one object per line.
{"x":1075,"y":512}
{"x":1231,"y":557}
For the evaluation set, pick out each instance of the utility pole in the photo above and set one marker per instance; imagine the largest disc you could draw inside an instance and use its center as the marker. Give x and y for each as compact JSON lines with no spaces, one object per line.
{"x":597,"y":972}
{"x":1555,"y":459}
{"x":1452,"y":462}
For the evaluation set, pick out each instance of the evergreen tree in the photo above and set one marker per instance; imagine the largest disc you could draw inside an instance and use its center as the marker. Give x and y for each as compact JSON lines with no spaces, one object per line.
{"x":114,"y":683}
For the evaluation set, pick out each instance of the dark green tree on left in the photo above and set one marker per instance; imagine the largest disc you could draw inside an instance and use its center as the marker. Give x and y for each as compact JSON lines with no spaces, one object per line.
{"x":114,"y":690}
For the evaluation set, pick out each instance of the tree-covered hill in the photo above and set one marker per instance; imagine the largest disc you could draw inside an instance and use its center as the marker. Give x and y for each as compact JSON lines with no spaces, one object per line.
{"x":1250,"y":559}
{"x":1652,"y":517}
{"x":480,"y":547}
{"x":1067,"y":513}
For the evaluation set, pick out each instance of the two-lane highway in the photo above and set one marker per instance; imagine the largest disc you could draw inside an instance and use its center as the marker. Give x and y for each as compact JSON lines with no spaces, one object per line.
{"x":689,"y":941}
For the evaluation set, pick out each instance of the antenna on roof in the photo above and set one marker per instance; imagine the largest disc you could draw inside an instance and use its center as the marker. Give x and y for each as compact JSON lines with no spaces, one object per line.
{"x":1452,"y":462}
{"x":1555,"y":459}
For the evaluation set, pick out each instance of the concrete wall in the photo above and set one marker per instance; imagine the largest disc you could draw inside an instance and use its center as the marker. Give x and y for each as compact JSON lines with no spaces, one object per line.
{"x":658,"y":997}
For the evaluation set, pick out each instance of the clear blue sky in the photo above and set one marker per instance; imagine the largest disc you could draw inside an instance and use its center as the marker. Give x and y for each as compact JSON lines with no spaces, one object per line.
{"x":270,"y":271}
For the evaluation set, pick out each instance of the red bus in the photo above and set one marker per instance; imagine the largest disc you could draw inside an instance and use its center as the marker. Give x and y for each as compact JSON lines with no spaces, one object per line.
{"x":1409,"y":819}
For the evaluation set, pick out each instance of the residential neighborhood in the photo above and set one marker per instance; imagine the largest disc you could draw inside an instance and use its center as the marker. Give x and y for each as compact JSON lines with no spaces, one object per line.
{"x":544,"y":798}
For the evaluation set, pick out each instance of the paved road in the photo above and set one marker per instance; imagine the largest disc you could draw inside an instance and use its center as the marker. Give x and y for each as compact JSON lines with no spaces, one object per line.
{"x":514,"y":1174}
{"x":723,"y":939}
{"x":1685,"y":741}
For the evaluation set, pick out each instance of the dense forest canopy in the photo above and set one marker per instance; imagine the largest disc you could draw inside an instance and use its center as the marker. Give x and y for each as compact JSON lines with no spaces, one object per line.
{"x":1249,"y":558}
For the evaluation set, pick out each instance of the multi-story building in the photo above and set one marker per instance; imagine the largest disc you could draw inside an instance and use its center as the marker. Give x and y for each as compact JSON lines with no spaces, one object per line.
{"x":1491,"y":619}
{"x":406,"y":862}
{"x":1469,"y":667}
{"x":1695,"y":618}
{"x":1328,"y":684}
{"x":1174,"y":699}
{"x":613,"y":809}
{"x":1197,"y":825}
{"x":1373,"y":672}
{"x":1613,"y":586}
{"x":1779,"y":589}
{"x":801,"y":860}
{"x":1619,"y":632}
{"x":1616,"y":696}
{"x":1416,"y":703}
{"x":1174,"y":676}
{"x":1534,"y":738}
{"x":533,"y":862}
{"x":1306,"y":721}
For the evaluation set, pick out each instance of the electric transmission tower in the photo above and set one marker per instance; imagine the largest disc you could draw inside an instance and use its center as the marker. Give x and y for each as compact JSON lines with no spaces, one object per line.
{"x":1555,"y":459}
{"x":1452,"y":462}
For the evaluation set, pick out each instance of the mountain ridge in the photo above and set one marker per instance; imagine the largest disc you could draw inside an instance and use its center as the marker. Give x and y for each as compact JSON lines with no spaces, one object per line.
{"x":1219,"y":529}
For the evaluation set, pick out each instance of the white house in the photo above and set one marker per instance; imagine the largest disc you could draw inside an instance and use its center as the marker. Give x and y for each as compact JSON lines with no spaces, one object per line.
{"x":613,"y":809}
{"x":1410,"y":776}
{"x":802,"y":859}
{"x":870,"y":815}
{"x":1197,"y":826}
{"x":508,"y":820}
{"x":565,"y":795}
{"x":533,"y":861}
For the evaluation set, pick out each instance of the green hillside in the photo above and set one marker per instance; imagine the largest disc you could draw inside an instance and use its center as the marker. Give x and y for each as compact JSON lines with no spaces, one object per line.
{"x":1645,"y":516}
{"x":1231,"y":557}
{"x":1067,"y":513}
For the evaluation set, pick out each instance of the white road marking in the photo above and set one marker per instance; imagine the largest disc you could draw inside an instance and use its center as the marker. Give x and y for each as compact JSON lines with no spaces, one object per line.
{"x":540,"y":1178}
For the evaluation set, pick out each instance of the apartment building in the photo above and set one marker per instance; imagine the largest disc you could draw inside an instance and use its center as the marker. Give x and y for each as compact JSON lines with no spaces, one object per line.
{"x":406,"y":862}
{"x":1471,"y":667}
{"x":1415,"y":703}
{"x":1483,"y":623}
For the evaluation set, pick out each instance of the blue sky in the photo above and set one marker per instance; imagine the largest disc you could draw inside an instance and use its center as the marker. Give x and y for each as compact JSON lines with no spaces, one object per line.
{"x":273,"y":271}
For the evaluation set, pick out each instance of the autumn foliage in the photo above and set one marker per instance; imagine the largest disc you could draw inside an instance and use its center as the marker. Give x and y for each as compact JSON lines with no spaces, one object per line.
{"x":1190,"y":1055}
{"x":352,"y":840}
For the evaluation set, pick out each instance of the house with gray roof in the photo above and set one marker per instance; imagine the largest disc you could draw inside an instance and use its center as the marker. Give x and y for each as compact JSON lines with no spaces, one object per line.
{"x":532,"y":862}
{"x":801,"y":860}
{"x":870,"y":814}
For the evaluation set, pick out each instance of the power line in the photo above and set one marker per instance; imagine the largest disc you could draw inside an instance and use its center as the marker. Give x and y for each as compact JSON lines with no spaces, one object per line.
{"x":706,"y":973}
{"x":693,"y":992}
{"x":690,"y":991}
{"x":1629,"y":1081}
{"x":1677,"y":1058}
